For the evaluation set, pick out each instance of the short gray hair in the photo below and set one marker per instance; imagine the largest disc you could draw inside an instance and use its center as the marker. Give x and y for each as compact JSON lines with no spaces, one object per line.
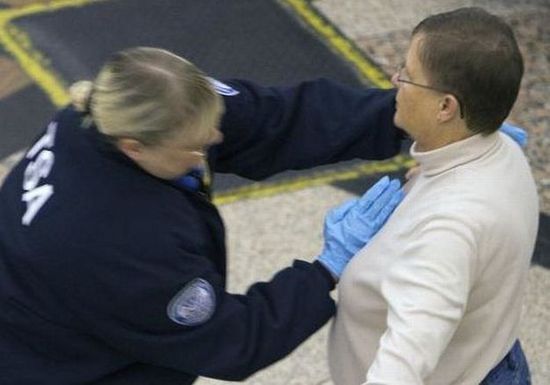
{"x":473,"y":54}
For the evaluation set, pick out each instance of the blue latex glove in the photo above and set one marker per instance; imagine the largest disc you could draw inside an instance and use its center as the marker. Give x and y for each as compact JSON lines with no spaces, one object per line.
{"x":519,"y":135}
{"x":192,"y":180}
{"x":350,"y":226}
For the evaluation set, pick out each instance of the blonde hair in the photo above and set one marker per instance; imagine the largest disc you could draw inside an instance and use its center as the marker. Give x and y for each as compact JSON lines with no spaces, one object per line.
{"x":149,"y":94}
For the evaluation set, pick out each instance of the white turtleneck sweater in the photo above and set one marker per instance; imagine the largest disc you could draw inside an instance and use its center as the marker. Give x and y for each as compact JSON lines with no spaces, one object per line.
{"x":435,"y":297}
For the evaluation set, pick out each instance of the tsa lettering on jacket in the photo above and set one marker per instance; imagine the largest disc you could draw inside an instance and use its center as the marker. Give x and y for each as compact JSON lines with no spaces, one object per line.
{"x":36,"y":195}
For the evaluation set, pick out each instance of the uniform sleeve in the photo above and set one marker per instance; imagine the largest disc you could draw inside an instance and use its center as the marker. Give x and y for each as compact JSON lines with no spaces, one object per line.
{"x":123,"y":302}
{"x":268,"y":130}
{"x":426,"y":292}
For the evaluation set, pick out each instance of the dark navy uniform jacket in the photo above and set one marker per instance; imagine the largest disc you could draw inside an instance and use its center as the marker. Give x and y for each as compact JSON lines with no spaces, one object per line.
{"x":93,"y":249}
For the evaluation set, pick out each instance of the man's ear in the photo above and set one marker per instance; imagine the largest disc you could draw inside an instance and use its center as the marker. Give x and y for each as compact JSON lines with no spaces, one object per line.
{"x":132,"y":148}
{"x":448,"y":108}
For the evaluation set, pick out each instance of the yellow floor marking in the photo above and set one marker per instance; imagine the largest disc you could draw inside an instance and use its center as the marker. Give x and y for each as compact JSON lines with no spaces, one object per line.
{"x":18,"y":44}
{"x":341,"y":44}
{"x":266,"y":189}
{"x":21,"y":3}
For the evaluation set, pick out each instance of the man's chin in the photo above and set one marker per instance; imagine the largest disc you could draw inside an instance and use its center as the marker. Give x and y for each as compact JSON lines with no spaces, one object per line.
{"x":397,"y":123}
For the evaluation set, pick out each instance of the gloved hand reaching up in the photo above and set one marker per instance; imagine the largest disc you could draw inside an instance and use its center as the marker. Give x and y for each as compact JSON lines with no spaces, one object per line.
{"x":518,"y":134}
{"x":350,"y":226}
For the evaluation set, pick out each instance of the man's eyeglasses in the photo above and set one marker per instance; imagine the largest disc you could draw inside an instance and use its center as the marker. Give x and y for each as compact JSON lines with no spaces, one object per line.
{"x":401,"y":79}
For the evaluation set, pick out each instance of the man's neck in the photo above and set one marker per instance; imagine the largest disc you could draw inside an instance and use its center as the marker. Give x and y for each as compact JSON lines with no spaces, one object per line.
{"x":442,"y":136}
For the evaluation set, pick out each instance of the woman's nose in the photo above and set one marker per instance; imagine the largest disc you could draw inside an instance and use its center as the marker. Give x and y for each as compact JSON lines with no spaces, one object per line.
{"x":218,"y":138}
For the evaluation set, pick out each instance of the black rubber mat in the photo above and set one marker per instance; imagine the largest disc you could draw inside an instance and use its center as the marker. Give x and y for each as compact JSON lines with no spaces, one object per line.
{"x":22,"y":116}
{"x":256,"y":40}
{"x":542,"y":249}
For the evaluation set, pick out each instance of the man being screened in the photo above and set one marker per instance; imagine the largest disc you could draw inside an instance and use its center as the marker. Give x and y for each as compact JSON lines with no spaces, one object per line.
{"x":435,"y":298}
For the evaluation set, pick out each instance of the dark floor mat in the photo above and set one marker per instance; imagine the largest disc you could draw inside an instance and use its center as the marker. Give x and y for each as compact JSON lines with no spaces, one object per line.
{"x":22,"y":115}
{"x":258,"y":40}
{"x":542,"y":249}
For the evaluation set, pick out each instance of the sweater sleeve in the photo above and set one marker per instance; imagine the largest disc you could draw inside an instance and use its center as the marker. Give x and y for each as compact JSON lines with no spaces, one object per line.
{"x":426,"y":291}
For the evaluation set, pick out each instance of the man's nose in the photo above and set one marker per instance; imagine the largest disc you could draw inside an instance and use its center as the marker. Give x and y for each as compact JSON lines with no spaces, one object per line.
{"x":394,"y":78}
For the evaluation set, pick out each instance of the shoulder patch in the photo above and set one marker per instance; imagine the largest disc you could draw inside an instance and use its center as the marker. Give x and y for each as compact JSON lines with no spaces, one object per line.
{"x":194,"y":304}
{"x":222,"y":88}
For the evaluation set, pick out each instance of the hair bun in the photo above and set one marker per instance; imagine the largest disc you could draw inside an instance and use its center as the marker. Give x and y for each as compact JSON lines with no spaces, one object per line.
{"x":80,"y":93}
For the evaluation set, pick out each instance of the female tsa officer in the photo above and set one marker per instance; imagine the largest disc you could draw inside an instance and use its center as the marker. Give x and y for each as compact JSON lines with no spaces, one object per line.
{"x":111,"y":272}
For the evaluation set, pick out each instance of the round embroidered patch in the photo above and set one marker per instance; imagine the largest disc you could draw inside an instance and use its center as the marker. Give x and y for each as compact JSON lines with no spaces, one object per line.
{"x":194,"y":304}
{"x":222,"y":88}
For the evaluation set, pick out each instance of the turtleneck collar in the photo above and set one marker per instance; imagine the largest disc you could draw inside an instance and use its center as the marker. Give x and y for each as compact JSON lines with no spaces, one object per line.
{"x":455,"y":154}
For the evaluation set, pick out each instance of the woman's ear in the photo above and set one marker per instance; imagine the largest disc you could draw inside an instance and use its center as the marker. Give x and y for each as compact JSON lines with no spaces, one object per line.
{"x":132,"y":148}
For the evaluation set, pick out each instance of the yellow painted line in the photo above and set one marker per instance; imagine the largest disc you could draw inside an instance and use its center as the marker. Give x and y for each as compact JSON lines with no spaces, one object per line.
{"x":18,"y":44}
{"x":341,"y":44}
{"x":262,"y":190}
